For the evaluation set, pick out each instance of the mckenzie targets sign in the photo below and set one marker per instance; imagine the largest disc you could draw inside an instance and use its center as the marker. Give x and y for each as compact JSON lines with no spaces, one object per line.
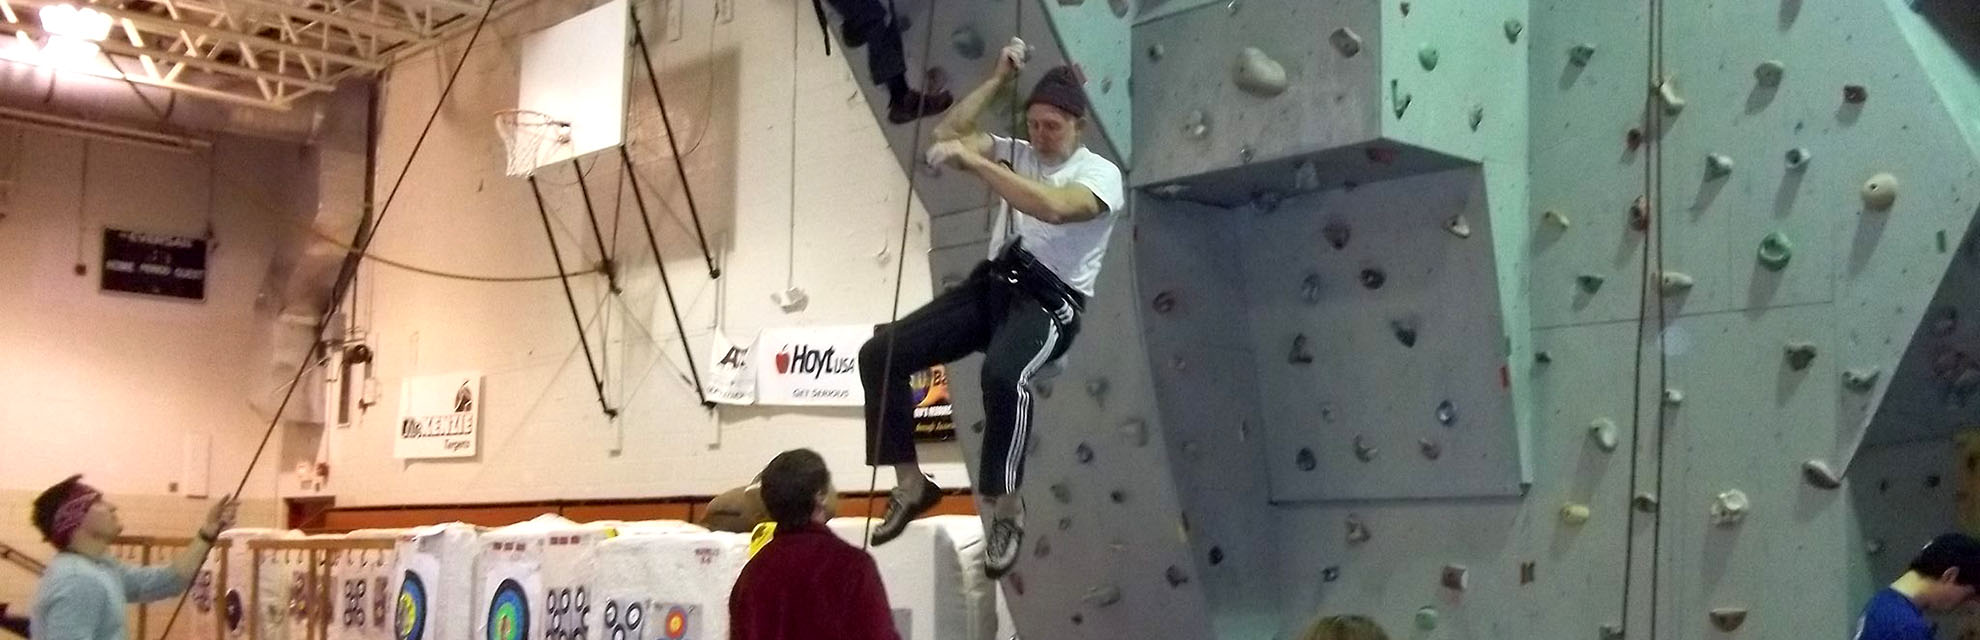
{"x":439,"y":416}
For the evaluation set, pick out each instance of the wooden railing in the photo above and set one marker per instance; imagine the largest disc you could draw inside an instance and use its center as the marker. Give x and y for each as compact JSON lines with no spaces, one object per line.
{"x":142,"y":550}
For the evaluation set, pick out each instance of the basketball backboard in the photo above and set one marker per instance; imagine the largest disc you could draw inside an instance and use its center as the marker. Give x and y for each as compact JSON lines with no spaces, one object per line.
{"x":576,"y":72}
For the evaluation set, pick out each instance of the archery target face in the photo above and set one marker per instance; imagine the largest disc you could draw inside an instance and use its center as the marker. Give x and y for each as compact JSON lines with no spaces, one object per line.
{"x":508,"y":612}
{"x":566,"y":609}
{"x":381,"y":601}
{"x":410,"y":621}
{"x":677,"y":622}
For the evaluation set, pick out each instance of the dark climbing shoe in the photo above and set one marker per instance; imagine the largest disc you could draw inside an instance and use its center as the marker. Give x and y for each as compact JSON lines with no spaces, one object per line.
{"x":915,"y":105}
{"x":900,"y":512}
{"x":1001,"y":545}
{"x":852,"y":38}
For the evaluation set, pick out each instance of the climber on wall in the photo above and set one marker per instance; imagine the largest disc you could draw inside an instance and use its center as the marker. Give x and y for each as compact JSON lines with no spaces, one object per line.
{"x":867,"y":24}
{"x":1021,"y":308}
{"x":1943,"y":577}
{"x":83,"y":593}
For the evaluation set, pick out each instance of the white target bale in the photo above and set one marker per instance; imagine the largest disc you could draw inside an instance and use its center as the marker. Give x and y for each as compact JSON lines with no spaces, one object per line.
{"x":667,"y":586}
{"x":238,"y":594}
{"x":433,"y":580}
{"x":361,"y":600}
{"x":536,"y":580}
{"x":929,"y":583}
{"x":204,"y":598}
{"x":653,"y":527}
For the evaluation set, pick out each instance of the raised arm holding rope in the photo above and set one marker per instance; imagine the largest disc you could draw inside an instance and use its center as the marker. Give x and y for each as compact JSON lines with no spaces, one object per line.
{"x":1021,"y":307}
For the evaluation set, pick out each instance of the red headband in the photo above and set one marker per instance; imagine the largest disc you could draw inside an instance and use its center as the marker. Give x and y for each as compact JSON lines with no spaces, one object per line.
{"x":69,"y":517}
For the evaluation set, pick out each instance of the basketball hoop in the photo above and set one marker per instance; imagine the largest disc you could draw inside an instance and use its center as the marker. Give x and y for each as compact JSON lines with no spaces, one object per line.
{"x":527,"y":135}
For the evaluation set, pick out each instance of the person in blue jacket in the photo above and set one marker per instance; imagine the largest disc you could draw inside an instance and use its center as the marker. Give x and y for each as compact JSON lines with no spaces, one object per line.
{"x":1943,"y":577}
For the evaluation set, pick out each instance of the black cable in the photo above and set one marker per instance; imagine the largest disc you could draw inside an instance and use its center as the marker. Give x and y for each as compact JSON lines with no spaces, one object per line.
{"x":343,"y":282}
{"x":557,"y":255}
{"x":666,"y":284}
{"x":680,"y":164}
{"x":604,"y":254}
{"x":900,"y":271}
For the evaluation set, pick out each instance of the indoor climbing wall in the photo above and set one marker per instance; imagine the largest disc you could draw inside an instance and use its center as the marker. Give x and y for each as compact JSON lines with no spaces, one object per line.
{"x":1528,"y":318}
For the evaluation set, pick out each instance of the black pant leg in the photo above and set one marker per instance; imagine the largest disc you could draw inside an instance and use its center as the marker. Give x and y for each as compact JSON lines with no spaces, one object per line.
{"x":1029,"y":337}
{"x":956,"y":323}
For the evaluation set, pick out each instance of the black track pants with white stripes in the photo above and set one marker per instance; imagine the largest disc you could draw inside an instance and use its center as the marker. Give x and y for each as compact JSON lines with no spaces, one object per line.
{"x":1017,"y":335}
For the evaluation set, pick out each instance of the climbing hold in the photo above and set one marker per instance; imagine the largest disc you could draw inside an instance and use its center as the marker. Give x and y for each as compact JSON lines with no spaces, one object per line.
{"x":1399,"y":101}
{"x":1861,"y":379}
{"x":1198,"y":125}
{"x":1117,"y":496}
{"x":1373,"y":278}
{"x":1880,"y":192}
{"x":1258,"y":74}
{"x":1327,"y":411}
{"x":1612,"y":632}
{"x":1357,"y":532}
{"x":1041,"y":548}
{"x":1083,"y":453}
{"x":1645,"y":502}
{"x":1062,"y":493}
{"x":1603,"y":432}
{"x":1476,"y":116}
{"x":1718,"y":166}
{"x":1330,"y":574}
{"x":1574,"y":514}
{"x":1306,"y":176}
{"x":1580,"y":54}
{"x":1729,"y":508}
{"x":1135,"y":432}
{"x":966,"y":42}
{"x":1775,"y":251}
{"x":1673,"y":397}
{"x":1266,"y":201}
{"x":1042,"y":389}
{"x":1175,"y":576}
{"x":1101,"y":596}
{"x":1216,"y":555}
{"x":1430,"y":449}
{"x":1797,"y":158}
{"x":1446,"y":413}
{"x":1799,"y":354}
{"x":1120,"y":7}
{"x":1589,"y":283}
{"x":1309,"y":289}
{"x":1364,"y":452}
{"x":1820,"y":474}
{"x":1667,"y":94}
{"x":1728,"y":618}
{"x":1168,"y":191}
{"x":1305,"y":460}
{"x":1456,"y":577}
{"x":1155,"y":52}
{"x":1542,"y":357}
{"x":1873,"y":546}
{"x":1426,"y":618}
{"x":1107,"y":84}
{"x":1458,"y":226}
{"x":1405,"y":8}
{"x":1300,"y":353}
{"x":1945,"y":321}
{"x":1405,"y":332}
{"x":1097,"y":388}
{"x":1165,"y":302}
{"x":1336,"y":234}
{"x":1065,"y":524}
{"x":1513,"y":29}
{"x":1639,"y":213}
{"x":1244,"y":154}
{"x":1345,"y":41}
{"x":1427,"y":56}
{"x":1769,"y":73}
{"x":1855,"y":94}
{"x":1633,"y":138}
{"x":1676,"y":283}
{"x":1527,"y":570}
{"x":1382,"y":155}
{"x":1556,"y":218}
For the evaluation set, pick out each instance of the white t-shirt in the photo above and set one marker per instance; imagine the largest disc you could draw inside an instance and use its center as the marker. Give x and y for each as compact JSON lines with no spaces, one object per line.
{"x":1073,"y":250}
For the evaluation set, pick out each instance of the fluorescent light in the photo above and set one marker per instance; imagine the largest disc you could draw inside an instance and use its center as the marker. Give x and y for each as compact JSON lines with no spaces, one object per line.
{"x":72,"y":34}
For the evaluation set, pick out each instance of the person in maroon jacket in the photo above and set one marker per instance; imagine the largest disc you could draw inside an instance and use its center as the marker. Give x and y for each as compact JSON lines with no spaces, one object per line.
{"x":806,"y":583}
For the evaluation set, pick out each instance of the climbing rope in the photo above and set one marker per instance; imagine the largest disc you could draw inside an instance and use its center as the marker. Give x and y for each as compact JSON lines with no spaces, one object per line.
{"x":1651,"y":268}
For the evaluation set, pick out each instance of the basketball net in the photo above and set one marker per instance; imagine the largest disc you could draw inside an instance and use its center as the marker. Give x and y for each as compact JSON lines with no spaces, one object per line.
{"x":527,"y":135}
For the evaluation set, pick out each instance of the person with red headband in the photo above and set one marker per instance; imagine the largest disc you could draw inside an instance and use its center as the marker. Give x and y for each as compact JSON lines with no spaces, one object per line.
{"x":1021,"y":307}
{"x":83,"y":593}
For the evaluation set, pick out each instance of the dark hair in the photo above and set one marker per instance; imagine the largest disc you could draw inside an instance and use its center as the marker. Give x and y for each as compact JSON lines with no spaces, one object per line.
{"x":1949,"y":551}
{"x":791,"y":483}
{"x":46,"y":504}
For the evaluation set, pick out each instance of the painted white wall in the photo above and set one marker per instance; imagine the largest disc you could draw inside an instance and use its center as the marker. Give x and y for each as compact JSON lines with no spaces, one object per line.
{"x":795,"y":185}
{"x":111,"y":385}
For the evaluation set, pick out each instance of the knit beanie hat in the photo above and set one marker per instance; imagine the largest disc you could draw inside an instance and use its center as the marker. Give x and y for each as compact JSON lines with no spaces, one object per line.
{"x":1061,"y":87}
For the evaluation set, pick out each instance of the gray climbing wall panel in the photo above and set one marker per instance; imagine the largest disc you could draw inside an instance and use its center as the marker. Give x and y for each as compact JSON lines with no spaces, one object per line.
{"x":1379,"y":353}
{"x":1096,"y":34}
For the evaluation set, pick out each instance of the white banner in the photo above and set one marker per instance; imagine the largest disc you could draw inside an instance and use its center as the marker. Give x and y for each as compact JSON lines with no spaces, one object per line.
{"x":732,"y":378}
{"x":816,"y":366}
{"x":439,"y":416}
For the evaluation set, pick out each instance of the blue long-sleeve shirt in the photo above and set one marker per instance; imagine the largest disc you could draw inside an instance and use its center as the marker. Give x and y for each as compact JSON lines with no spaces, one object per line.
{"x":1891,"y":616}
{"x":83,"y":598}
